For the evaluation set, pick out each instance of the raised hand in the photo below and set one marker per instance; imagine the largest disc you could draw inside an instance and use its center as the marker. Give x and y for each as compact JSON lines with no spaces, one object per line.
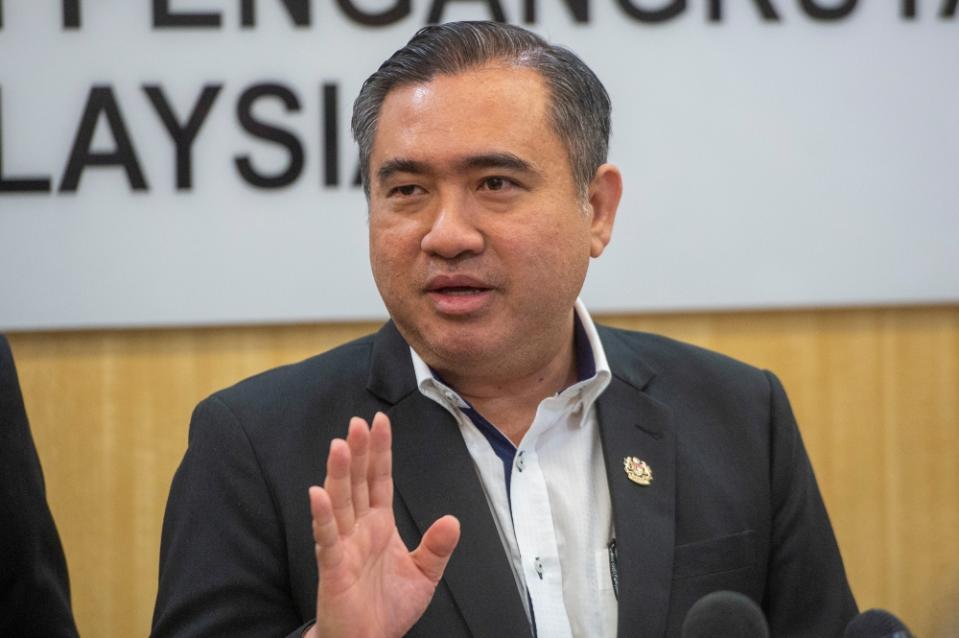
{"x":370,"y":585}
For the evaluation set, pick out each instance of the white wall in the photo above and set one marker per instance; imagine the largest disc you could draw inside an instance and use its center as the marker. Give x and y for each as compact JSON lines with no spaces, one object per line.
{"x":790,"y":163}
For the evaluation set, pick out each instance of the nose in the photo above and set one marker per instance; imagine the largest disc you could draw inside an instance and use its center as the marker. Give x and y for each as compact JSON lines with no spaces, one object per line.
{"x":453,"y":231}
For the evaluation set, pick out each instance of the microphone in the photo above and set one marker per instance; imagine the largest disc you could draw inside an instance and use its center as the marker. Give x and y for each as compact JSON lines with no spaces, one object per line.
{"x":725,"y":614}
{"x":876,"y":623}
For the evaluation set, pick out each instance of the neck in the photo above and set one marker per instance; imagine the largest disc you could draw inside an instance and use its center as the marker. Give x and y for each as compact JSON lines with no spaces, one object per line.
{"x":509,"y":396}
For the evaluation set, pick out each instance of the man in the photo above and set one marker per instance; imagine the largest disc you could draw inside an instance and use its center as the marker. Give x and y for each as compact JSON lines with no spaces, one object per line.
{"x":34,"y":587}
{"x":552,"y":478}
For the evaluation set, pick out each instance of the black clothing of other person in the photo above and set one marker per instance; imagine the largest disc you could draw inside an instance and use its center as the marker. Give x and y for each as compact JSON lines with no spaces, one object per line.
{"x":34,"y":589}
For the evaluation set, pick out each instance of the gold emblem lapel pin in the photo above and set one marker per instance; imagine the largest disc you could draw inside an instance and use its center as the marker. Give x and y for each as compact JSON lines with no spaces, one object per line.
{"x":638,"y":471}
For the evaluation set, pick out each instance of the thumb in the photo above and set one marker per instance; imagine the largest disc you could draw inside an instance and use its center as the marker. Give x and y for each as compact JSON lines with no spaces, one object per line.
{"x":437,"y":546}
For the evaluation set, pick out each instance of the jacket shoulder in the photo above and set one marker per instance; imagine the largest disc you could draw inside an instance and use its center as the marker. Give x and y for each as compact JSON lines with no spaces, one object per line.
{"x":336,"y":378}
{"x":670,"y":358}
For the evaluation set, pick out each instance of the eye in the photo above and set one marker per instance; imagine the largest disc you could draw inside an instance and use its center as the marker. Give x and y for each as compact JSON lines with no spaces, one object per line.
{"x":497,"y":183}
{"x":405,"y":190}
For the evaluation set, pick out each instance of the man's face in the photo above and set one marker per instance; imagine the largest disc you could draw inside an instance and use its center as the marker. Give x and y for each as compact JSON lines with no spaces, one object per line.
{"x":479,"y":238}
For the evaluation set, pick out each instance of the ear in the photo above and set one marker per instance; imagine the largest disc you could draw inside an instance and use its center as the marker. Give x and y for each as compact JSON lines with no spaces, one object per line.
{"x":603,"y":200}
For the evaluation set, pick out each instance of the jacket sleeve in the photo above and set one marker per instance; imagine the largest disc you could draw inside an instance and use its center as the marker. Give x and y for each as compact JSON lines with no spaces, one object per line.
{"x":807,"y":593}
{"x":223,"y":561}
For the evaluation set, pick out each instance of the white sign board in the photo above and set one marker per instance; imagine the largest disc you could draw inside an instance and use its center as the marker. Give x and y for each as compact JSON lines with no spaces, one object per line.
{"x":165,"y":162}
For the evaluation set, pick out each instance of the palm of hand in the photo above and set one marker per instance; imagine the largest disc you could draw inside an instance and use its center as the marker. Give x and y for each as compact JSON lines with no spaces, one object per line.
{"x":377,"y":578}
{"x":370,"y":585}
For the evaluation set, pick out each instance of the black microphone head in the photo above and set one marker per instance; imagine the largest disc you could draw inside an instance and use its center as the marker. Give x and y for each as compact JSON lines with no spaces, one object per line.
{"x":725,"y":614}
{"x":876,"y":623}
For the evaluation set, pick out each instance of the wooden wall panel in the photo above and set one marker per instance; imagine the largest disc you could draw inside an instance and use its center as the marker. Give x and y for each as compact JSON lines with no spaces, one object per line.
{"x":876,"y":392}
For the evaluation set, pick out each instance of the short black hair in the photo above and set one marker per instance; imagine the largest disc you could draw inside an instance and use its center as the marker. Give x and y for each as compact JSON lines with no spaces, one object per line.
{"x":580,"y":106}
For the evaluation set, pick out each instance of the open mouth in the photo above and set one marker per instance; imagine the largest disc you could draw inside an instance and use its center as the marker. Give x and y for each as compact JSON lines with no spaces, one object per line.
{"x":460,"y":291}
{"x":458,"y":294}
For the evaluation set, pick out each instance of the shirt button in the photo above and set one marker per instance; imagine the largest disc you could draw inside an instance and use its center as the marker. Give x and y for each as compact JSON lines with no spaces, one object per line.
{"x":520,"y":461}
{"x":538,"y":566}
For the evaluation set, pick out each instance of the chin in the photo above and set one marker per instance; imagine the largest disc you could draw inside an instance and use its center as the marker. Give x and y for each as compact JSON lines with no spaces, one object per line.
{"x":452,"y":341}
{"x":460,"y":350}
{"x":457,"y":348}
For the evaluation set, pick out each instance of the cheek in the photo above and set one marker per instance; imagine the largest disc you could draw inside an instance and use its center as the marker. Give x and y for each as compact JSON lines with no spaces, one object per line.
{"x":382,"y":261}
{"x":550,"y":264}
{"x":562,"y":246}
{"x":394,"y":254}
{"x":387,"y":266}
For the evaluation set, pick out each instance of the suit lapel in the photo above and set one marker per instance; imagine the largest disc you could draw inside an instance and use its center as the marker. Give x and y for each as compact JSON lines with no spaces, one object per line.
{"x":433,"y":474}
{"x":634,"y":425}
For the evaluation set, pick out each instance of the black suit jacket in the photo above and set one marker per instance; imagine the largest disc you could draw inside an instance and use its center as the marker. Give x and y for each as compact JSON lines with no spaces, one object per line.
{"x":733,"y":503}
{"x":34,"y":592}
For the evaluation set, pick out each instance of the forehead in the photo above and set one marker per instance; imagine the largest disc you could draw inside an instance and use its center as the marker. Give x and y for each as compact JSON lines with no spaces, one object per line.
{"x":489,"y":109}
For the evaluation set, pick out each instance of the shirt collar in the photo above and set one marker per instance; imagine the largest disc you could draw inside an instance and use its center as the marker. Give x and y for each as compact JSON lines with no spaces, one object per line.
{"x":592,"y":368}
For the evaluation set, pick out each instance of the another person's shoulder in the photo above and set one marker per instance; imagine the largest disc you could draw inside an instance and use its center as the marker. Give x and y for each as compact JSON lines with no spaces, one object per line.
{"x":7,"y":370}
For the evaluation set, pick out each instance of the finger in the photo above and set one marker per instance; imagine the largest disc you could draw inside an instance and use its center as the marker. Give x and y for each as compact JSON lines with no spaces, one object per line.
{"x":380,"y":473}
{"x":325,"y":533}
{"x":359,"y":441}
{"x":337,"y":485}
{"x":434,"y":551}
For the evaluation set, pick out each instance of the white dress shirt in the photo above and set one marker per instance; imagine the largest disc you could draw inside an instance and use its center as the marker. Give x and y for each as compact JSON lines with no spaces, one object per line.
{"x":549,"y":496}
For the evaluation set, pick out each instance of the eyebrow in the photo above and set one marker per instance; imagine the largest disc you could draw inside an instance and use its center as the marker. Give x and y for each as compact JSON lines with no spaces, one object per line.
{"x":484,"y":160}
{"x":400,"y":165}
{"x":496,"y":160}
